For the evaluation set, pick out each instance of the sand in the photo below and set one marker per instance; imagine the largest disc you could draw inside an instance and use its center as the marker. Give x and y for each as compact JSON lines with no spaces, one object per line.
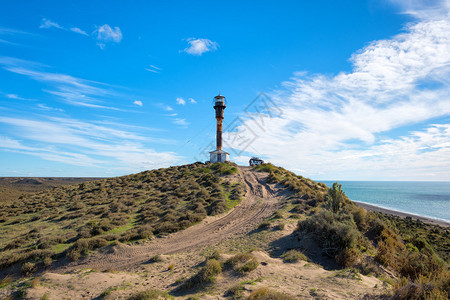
{"x":403,"y":214}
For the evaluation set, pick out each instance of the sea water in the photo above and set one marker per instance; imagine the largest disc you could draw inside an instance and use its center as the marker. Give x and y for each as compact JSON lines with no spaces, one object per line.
{"x":424,"y":198}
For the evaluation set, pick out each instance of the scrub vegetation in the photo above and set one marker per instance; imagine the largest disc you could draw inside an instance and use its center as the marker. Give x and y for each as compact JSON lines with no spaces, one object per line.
{"x":306,"y":225}
{"x":355,"y":238}
{"x":70,"y":221}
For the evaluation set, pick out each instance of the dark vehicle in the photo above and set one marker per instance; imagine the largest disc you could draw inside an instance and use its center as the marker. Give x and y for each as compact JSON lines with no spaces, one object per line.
{"x":255,"y":161}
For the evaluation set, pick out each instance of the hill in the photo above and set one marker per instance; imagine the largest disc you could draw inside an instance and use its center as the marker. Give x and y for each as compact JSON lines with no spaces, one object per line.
{"x":12,"y":188}
{"x":215,"y":229}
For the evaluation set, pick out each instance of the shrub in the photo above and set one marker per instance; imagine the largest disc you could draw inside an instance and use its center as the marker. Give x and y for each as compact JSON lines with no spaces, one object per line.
{"x":242,"y":263}
{"x":264,"y":293}
{"x":19,"y":242}
{"x":336,"y":197}
{"x":424,"y":288}
{"x":150,"y":295}
{"x":333,"y":232}
{"x":235,"y":292}
{"x":280,"y":226}
{"x":206,"y":276}
{"x":389,"y":250}
{"x":83,"y":246}
{"x":277,"y":215}
{"x":264,"y":225}
{"x":293,"y":256}
{"x":156,"y":258}
{"x":28,"y":268}
{"x":359,"y":215}
{"x":145,"y":231}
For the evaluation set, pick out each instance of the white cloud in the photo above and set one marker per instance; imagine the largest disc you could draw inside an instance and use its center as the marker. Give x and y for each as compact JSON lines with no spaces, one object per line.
{"x":164,"y":106}
{"x":96,"y":145}
{"x":72,"y":90}
{"x":138,"y":103}
{"x":153,"y":69}
{"x":12,"y":96}
{"x":200,"y":46}
{"x":45,"y":107}
{"x":105,"y":34}
{"x":191,"y":100}
{"x":181,"y":122}
{"x":78,"y":30}
{"x":181,"y":101}
{"x":45,"y":23}
{"x":339,"y":127}
{"x":11,"y":33}
{"x":424,"y":9}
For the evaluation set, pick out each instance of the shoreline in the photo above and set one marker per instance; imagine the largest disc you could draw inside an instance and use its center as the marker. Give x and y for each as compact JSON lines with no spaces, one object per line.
{"x":402,"y":214}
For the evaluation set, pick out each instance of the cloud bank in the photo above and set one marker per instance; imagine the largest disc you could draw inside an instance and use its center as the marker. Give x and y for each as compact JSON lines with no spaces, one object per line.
{"x":367,"y":122}
{"x":83,"y":143}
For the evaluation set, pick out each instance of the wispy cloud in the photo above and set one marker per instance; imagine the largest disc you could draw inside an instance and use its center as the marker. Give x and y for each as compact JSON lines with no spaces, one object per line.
{"x":153,"y":69}
{"x":191,"y":100}
{"x":96,"y":145}
{"x":164,"y":106}
{"x":181,"y":122}
{"x":46,"y":23}
{"x":200,"y":46}
{"x":180,"y":101}
{"x":17,"y":97}
{"x":48,"y":108}
{"x":11,"y":33}
{"x":342,"y":126}
{"x":138,"y":103}
{"x":78,"y":30}
{"x":13,"y":96}
{"x":70,"y":89}
{"x":105,"y":34}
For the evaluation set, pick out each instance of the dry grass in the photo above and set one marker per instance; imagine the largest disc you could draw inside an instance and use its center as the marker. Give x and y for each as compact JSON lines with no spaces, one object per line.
{"x":77,"y":219}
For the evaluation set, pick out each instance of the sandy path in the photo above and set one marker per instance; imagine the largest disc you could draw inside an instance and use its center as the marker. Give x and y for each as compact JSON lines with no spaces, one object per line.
{"x":260,"y":201}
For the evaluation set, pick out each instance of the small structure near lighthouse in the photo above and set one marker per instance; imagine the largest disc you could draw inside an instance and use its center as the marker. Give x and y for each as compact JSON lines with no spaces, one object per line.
{"x":219,"y":155}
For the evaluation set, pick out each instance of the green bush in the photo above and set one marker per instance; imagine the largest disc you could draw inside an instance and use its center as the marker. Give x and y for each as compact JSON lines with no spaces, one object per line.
{"x":28,"y":268}
{"x":333,"y":232}
{"x":236,"y":292}
{"x":150,"y":295}
{"x":264,"y":225}
{"x":264,"y":293}
{"x":293,"y":256}
{"x":336,"y":197}
{"x":242,"y":263}
{"x":206,"y":276}
{"x":83,"y":246}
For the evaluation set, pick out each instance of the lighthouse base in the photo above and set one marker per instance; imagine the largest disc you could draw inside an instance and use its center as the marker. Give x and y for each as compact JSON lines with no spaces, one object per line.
{"x":218,"y":156}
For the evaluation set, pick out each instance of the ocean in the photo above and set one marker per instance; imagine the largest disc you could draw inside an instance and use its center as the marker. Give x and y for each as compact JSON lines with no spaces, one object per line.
{"x":423,"y":198}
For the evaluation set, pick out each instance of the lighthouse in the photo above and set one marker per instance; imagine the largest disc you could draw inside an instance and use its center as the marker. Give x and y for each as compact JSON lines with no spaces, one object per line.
{"x":219,"y":155}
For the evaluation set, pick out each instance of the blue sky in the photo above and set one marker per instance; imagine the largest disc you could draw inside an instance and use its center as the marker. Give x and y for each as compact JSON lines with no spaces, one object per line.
{"x":353,"y":90}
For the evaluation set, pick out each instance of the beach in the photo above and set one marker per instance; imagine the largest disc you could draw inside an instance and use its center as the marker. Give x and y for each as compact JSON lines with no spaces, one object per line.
{"x":403,"y":214}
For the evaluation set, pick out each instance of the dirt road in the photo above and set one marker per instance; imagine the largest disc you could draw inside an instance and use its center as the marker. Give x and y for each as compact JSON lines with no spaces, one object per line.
{"x":260,"y":201}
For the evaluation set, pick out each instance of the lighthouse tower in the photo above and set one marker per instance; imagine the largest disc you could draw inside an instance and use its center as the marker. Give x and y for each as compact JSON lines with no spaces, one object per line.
{"x":219,"y":155}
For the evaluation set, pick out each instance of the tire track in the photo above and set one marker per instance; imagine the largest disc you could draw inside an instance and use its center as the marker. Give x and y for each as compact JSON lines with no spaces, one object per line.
{"x":259,"y":203}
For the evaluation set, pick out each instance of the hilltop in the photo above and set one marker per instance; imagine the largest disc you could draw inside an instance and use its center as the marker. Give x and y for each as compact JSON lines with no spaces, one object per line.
{"x":214,"y":230}
{"x":13,"y":187}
